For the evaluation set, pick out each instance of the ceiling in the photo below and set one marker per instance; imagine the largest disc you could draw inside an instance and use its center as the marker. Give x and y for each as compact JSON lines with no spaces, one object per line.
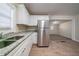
{"x":53,"y":8}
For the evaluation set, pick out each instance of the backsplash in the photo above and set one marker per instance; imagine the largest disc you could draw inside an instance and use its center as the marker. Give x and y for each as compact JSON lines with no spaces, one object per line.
{"x":11,"y":34}
{"x":8,"y":34}
{"x":26,"y":28}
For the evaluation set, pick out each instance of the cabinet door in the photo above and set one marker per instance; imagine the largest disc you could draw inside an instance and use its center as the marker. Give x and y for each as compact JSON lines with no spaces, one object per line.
{"x":27,"y":47}
{"x":34,"y":38}
{"x":17,"y":51}
{"x":33,"y":21}
{"x":22,"y":50}
{"x":22,"y":15}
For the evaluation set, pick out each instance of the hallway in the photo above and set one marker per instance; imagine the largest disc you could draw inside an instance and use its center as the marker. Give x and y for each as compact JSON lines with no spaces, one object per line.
{"x":59,"y":46}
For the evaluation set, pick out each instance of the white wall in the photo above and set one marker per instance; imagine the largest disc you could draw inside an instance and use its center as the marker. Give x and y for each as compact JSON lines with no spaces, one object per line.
{"x":54,"y":29}
{"x":35,"y":18}
{"x":61,"y":17}
{"x":53,"y":17}
{"x":65,"y":29}
{"x":76,"y":28}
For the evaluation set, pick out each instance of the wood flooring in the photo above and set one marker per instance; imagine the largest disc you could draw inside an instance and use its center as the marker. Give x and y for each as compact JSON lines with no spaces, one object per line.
{"x":59,"y":46}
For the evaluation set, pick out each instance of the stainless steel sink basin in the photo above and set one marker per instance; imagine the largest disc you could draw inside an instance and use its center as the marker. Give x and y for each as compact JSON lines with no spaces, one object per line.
{"x":8,"y":41}
{"x":5,"y":43}
{"x":14,"y":38}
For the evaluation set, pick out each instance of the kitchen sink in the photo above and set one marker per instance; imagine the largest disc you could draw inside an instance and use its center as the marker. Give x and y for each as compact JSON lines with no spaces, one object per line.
{"x":5,"y":43}
{"x":8,"y":41}
{"x":14,"y":38}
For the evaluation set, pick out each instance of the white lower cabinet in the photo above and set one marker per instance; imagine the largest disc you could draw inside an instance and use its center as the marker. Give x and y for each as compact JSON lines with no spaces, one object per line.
{"x":34,"y":38}
{"x":22,"y":49}
{"x":27,"y":48}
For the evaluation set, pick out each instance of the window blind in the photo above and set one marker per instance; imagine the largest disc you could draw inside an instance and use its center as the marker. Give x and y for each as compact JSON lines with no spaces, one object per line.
{"x":5,"y":16}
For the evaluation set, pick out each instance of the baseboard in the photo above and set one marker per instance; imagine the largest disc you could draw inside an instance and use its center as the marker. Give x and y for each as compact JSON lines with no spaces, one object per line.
{"x":70,"y":38}
{"x":61,"y":36}
{"x":76,"y":40}
{"x":66,"y":37}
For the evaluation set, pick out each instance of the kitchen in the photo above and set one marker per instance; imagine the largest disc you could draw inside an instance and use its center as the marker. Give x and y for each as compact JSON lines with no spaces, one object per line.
{"x":21,"y":27}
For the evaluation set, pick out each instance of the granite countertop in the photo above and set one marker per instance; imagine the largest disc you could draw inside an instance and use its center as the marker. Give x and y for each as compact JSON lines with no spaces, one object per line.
{"x":4,"y":51}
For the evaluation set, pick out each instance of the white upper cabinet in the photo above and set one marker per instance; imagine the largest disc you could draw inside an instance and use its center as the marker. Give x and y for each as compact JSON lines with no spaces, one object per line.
{"x":34,"y":19}
{"x":22,"y":15}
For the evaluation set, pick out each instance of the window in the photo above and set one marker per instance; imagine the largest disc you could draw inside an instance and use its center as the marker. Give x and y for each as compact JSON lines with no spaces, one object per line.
{"x":5,"y":16}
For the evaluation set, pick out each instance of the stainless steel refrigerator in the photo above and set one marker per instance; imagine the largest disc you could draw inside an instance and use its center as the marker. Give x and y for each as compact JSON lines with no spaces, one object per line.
{"x":43,"y":33}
